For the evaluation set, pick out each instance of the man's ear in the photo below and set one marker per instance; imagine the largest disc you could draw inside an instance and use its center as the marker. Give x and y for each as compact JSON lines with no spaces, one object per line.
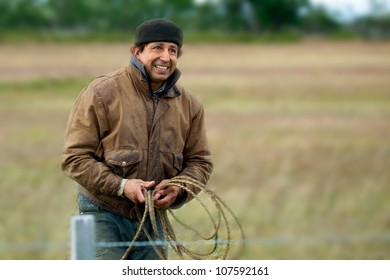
{"x":135,"y":50}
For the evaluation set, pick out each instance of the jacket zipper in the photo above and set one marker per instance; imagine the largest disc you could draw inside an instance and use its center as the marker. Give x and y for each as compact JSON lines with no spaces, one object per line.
{"x":150,"y":148}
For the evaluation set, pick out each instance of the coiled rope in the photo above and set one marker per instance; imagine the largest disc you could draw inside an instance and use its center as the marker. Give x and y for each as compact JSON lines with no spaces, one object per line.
{"x":219,"y":250}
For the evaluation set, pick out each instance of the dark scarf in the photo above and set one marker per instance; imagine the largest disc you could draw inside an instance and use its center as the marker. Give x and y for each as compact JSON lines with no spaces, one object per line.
{"x":169,"y":83}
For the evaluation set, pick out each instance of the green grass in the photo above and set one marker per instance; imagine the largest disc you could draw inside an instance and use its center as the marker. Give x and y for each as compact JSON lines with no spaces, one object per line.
{"x":115,"y":36}
{"x":302,"y":160}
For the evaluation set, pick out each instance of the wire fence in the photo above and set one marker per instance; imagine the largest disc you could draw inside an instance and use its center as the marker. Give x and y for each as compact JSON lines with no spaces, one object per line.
{"x":276,"y":240}
{"x":83,"y":244}
{"x":264,"y":241}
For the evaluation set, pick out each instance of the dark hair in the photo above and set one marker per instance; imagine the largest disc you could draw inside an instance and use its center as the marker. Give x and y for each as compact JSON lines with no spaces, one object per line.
{"x":142,"y":46}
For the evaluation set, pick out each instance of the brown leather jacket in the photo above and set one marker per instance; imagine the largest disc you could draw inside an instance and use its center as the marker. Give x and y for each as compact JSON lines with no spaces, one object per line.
{"x":117,"y":130}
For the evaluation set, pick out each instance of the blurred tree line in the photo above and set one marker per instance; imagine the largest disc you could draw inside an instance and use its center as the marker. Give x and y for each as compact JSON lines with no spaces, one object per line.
{"x":224,"y":16}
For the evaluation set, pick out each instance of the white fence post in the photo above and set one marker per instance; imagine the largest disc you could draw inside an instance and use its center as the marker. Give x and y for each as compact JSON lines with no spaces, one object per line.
{"x":83,"y":237}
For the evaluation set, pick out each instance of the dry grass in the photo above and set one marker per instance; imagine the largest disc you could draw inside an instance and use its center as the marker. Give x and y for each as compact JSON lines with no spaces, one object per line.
{"x":299,"y":135}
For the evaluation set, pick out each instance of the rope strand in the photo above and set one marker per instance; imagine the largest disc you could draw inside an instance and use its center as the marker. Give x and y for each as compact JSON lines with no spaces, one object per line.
{"x":218,"y":250}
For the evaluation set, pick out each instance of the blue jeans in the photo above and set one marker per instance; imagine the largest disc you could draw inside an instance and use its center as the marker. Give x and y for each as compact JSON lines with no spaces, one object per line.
{"x":114,"y":228}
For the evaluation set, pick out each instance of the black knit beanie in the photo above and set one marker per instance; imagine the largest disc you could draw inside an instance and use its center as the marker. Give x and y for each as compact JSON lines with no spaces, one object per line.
{"x":158,"y":30}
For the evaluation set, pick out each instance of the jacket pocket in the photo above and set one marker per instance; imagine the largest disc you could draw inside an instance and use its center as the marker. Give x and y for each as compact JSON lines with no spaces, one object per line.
{"x":178,"y":162}
{"x":124,"y":163}
{"x":171,"y":164}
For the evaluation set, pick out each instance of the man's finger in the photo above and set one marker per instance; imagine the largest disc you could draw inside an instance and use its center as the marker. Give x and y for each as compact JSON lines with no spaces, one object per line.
{"x":149,"y":184}
{"x":140,"y":197}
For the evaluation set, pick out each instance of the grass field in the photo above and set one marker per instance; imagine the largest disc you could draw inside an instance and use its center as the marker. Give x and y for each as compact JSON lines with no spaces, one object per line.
{"x":299,"y":133}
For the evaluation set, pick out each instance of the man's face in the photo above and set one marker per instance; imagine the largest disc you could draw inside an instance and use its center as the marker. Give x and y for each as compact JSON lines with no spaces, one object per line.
{"x":160,"y":60}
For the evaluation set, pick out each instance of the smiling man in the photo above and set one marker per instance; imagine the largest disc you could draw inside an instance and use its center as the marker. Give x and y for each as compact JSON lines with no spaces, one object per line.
{"x":132,"y":130}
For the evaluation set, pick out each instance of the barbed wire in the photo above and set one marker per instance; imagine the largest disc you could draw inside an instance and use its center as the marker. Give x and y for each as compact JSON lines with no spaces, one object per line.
{"x":279,"y":240}
{"x":270,"y":241}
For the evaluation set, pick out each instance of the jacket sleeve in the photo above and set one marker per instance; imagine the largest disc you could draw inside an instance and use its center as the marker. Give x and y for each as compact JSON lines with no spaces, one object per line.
{"x":197,"y":156}
{"x":81,"y":159}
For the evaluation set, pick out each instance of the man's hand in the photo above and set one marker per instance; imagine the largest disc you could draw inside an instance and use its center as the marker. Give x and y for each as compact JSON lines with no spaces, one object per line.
{"x":165,"y":196}
{"x":134,"y":189}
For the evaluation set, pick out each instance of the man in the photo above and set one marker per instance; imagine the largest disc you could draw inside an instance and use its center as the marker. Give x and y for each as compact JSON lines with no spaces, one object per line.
{"x":131,"y":131}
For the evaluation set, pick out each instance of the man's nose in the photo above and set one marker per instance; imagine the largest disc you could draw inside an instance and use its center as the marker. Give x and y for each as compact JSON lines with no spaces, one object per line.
{"x":165,"y":55}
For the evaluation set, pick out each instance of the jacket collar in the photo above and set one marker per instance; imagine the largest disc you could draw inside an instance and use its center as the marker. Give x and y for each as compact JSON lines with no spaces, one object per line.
{"x":168,"y":89}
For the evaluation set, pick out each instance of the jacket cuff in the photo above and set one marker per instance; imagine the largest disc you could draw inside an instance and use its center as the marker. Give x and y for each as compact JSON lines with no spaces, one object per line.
{"x":122,"y":187}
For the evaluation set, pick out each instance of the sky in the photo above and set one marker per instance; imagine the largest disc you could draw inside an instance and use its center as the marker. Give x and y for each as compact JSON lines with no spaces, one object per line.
{"x":348,"y":9}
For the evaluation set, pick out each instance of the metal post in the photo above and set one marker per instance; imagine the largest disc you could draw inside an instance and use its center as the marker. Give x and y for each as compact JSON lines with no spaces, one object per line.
{"x":83,"y":237}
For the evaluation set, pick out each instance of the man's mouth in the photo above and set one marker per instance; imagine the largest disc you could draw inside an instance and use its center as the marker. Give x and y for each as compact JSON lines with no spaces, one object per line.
{"x":159,"y":67}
